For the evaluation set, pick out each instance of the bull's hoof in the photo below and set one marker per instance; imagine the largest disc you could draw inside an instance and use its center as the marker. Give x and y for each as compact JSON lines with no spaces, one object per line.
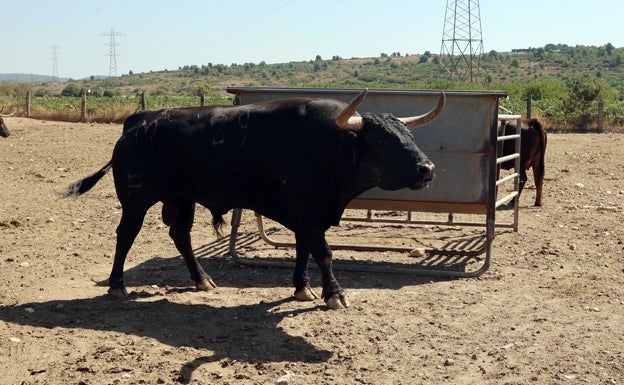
{"x":337,"y":301}
{"x":305,"y":294}
{"x":205,"y":285}
{"x":118,"y":292}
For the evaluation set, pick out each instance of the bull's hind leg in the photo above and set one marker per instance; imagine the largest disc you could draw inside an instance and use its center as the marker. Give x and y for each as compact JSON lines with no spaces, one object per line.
{"x":179,"y":215}
{"x":127,"y":230}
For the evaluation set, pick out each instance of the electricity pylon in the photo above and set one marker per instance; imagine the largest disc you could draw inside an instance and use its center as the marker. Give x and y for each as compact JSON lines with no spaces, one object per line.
{"x":462,"y":43}
{"x":112,"y":35}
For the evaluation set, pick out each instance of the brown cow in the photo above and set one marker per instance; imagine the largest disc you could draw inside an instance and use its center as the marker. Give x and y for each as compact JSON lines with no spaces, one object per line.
{"x":532,"y":153}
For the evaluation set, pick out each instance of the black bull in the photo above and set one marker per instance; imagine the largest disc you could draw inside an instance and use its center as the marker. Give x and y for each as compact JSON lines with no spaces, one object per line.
{"x":4,"y":131}
{"x":532,"y":153}
{"x":296,"y":161}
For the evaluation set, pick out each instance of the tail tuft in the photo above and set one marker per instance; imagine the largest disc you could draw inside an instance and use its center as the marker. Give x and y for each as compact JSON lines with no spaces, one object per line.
{"x":73,"y":189}
{"x":83,"y":185}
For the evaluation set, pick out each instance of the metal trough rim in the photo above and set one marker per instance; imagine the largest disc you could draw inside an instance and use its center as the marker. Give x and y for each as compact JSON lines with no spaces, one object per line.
{"x":371,"y":91}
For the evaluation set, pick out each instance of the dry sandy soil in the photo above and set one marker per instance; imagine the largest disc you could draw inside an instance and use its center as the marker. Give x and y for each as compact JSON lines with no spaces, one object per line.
{"x":548,"y":311}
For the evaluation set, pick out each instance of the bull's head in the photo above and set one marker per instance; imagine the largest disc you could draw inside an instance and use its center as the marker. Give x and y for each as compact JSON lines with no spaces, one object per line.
{"x":4,"y":131}
{"x":392,"y":158}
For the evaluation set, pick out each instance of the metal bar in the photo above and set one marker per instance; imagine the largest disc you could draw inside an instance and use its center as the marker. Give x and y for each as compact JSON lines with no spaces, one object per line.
{"x":517,"y":170}
{"x":509,"y":117}
{"x":506,"y":199}
{"x":508,"y":137}
{"x":504,"y":159}
{"x":266,"y":238}
{"x":235,"y":222}
{"x":506,"y":178}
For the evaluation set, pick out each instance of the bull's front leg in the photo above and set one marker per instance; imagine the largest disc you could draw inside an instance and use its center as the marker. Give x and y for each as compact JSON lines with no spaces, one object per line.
{"x":315,"y":242}
{"x":301,"y":279}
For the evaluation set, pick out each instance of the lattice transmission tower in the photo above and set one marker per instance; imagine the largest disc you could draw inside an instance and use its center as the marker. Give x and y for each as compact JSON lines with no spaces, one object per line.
{"x":112,"y":44}
{"x":55,"y":62}
{"x":462,"y":43}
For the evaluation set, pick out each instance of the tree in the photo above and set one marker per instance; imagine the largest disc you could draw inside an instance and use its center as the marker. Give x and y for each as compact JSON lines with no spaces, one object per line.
{"x":609,"y":48}
{"x":203,"y":88}
{"x":71,"y":90}
{"x":583,"y":90}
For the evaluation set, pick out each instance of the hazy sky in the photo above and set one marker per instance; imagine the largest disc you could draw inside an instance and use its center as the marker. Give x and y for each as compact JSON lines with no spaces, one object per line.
{"x":157,"y":35}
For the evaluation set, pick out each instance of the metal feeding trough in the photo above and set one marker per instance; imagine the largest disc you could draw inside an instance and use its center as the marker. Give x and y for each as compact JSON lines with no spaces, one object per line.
{"x":462,"y":143}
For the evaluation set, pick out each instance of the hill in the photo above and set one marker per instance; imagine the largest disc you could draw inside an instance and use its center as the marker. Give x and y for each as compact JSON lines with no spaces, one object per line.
{"x":29,"y":78}
{"x":499,"y":70}
{"x":565,"y":81}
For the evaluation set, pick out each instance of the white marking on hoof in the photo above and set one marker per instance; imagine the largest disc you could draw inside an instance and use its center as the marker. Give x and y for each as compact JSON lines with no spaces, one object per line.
{"x":337,"y":302}
{"x":205,"y":285}
{"x":305,"y":294}
{"x":119,"y":293}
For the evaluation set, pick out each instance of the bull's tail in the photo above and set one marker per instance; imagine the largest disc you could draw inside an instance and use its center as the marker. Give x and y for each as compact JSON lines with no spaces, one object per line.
{"x":217,"y":221}
{"x":83,"y":185}
{"x":541,"y":165}
{"x":544,"y":139}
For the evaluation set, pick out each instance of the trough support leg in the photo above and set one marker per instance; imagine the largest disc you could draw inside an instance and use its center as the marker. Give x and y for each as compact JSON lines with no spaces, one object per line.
{"x":235,"y":223}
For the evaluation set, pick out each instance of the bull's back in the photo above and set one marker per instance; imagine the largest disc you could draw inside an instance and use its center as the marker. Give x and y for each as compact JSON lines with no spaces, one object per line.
{"x":203,"y":154}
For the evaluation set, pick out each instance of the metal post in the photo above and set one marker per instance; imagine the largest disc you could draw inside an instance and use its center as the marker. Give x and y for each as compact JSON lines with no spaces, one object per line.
{"x":600,"y":113}
{"x":83,"y":106}
{"x":28,"y":104}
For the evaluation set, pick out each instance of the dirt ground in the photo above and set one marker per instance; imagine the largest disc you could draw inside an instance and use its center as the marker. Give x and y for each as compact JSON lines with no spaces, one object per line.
{"x":548,"y":311}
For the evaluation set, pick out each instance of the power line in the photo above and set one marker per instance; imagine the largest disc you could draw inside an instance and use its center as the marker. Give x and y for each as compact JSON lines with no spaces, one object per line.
{"x":112,"y":44}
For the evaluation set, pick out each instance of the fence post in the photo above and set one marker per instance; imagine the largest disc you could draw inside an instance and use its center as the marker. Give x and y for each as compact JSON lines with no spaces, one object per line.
{"x":83,"y":106}
{"x":529,"y":100}
{"x":600,"y":114}
{"x":202,"y":99}
{"x":28,"y":104}
{"x":143,"y":100}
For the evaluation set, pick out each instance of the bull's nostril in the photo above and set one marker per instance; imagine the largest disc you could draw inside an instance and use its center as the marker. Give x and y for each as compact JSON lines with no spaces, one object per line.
{"x":426,"y":170}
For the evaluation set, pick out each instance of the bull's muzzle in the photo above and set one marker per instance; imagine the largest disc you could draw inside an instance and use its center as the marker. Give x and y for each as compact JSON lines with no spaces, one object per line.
{"x":425,"y":169}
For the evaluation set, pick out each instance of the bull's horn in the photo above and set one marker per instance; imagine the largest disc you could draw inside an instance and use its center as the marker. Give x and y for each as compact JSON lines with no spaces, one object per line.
{"x":421,"y":120}
{"x":11,"y":114}
{"x":346,"y":120}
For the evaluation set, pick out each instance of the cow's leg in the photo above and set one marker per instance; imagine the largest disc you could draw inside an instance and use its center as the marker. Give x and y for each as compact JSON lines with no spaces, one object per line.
{"x":538,"y":178}
{"x":127,"y":230}
{"x":333,"y":294}
{"x":521,"y":183}
{"x":179,"y":215}
{"x":301,"y":279}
